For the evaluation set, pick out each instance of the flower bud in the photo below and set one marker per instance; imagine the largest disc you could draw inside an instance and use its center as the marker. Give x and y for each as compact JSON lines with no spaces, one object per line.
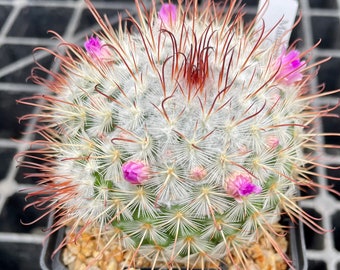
{"x":240,"y":185}
{"x":168,"y":14}
{"x":95,"y":48}
{"x":198,"y":173}
{"x":135,"y":172}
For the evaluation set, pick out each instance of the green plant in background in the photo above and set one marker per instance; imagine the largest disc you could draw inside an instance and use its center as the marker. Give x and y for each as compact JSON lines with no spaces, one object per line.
{"x":184,"y":138}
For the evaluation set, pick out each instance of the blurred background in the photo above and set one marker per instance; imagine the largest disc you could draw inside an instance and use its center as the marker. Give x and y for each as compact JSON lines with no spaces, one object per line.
{"x":24,"y":25}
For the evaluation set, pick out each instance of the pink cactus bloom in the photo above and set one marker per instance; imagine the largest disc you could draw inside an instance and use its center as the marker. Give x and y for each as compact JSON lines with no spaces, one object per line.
{"x":240,"y":186}
{"x":289,"y":67}
{"x":94,"y":47}
{"x":135,"y":171}
{"x":168,"y":14}
{"x":272,"y":141}
{"x":198,"y":173}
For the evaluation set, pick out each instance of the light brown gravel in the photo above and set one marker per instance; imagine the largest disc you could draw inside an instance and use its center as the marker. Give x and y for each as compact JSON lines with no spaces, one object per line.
{"x":80,"y":255}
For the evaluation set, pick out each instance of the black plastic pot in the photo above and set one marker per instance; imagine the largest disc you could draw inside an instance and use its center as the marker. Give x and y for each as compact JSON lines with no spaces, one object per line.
{"x":47,"y":261}
{"x":297,"y":248}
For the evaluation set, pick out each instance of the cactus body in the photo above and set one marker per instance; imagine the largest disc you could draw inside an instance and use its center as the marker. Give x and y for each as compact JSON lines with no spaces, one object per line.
{"x":183,"y":138}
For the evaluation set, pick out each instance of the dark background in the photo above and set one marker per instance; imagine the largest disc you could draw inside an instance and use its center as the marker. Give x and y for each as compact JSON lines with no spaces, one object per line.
{"x":24,"y":25}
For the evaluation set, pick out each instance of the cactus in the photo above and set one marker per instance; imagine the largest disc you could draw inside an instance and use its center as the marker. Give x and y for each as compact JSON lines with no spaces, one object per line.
{"x":184,"y":138}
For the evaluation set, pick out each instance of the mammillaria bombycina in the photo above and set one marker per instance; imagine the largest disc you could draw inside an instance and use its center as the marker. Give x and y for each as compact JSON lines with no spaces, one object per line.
{"x":184,"y":138}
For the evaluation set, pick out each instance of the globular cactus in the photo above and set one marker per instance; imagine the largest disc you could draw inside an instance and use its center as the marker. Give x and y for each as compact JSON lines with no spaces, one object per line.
{"x":184,"y":138}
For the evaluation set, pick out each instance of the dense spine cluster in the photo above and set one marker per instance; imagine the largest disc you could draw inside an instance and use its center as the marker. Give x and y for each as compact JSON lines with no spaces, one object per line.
{"x":183,"y":139}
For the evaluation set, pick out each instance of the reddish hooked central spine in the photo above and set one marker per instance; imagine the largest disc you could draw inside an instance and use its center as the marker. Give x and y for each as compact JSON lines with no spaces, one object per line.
{"x":196,"y":69}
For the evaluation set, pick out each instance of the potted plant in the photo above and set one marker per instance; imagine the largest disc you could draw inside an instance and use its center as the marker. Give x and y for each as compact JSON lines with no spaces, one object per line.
{"x":180,"y":141}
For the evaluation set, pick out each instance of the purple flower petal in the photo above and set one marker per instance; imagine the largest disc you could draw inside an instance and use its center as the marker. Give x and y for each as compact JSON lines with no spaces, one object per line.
{"x":135,"y":171}
{"x":168,"y":13}
{"x":289,"y":67}
{"x":242,"y":186}
{"x":94,"y":47}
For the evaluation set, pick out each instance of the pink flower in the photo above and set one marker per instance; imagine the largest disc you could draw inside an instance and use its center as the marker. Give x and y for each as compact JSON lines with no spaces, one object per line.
{"x":198,"y":173}
{"x":289,"y":67}
{"x":243,"y":150}
{"x":272,"y":141}
{"x":240,"y":186}
{"x":168,"y":14}
{"x":135,"y":171}
{"x":94,"y":47}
